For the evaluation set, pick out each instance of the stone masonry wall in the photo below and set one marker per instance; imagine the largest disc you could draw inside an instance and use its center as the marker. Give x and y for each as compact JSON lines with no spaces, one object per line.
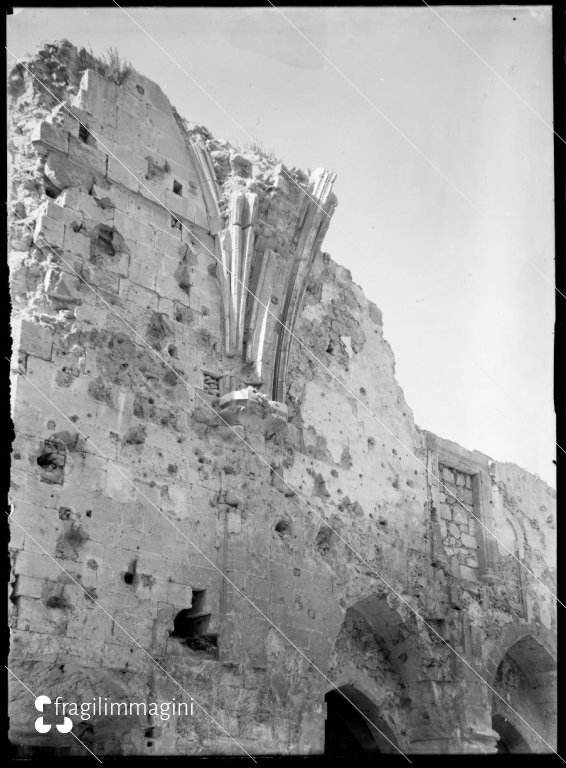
{"x":457,"y":526}
{"x":199,"y":506}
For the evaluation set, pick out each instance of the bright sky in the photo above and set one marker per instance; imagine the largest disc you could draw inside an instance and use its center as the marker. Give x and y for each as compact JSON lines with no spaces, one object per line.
{"x":449,"y":229}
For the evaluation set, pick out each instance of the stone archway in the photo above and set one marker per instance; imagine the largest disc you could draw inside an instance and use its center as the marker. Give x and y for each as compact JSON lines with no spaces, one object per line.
{"x":541,"y":639}
{"x":354,"y":725}
{"x":371,"y":709}
{"x":510,"y":738}
{"x":526,"y":680}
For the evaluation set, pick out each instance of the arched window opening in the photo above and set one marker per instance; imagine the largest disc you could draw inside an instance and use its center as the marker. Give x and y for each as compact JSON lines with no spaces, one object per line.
{"x":526,"y":681}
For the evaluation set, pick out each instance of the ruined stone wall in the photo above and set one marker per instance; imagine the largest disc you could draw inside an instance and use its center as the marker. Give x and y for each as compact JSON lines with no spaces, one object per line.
{"x":180,"y":457}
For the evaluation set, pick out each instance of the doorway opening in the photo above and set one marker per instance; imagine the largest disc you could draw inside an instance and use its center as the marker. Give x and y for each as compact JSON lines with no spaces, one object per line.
{"x":510,"y":740}
{"x":348,"y":732}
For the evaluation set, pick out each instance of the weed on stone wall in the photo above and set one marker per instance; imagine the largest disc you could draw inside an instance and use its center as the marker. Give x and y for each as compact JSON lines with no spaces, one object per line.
{"x":112,"y":66}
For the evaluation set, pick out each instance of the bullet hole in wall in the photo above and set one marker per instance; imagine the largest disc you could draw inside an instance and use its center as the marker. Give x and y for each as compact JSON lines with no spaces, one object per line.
{"x":52,"y":461}
{"x":90,"y":593}
{"x":57,"y":601}
{"x":84,"y":133}
{"x":131,"y":576}
{"x":71,"y":541}
{"x":283,"y":528}
{"x":324,"y":539}
{"x":105,"y":242}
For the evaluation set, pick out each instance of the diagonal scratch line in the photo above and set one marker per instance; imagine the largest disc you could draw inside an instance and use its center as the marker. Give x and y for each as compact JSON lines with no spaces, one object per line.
{"x":241,"y":127}
{"x":35,"y":697}
{"x":299,"y":495}
{"x":515,"y":93}
{"x":293,"y":336}
{"x":501,"y":388}
{"x":208,"y":560}
{"x":234,"y":586}
{"x":546,"y":278}
{"x":380,"y":112}
{"x":223,"y":110}
{"x":341,"y":383}
{"x":264,"y":461}
{"x":20,"y":681}
{"x":102,"y":608}
{"x":494,"y":72}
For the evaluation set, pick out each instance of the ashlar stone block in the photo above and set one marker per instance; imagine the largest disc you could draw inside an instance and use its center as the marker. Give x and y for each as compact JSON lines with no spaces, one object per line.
{"x":64,"y":172}
{"x":46,"y":137}
{"x":87,"y":156}
{"x":49,"y":231}
{"x":32,"y":338}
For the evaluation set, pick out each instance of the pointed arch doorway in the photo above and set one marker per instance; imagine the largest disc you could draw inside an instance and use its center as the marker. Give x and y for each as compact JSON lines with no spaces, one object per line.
{"x":526,"y":680}
{"x":347,"y":731}
{"x":510,"y":740}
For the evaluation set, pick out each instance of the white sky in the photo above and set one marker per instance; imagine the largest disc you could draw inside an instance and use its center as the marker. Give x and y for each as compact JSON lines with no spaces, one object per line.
{"x":467,"y":295}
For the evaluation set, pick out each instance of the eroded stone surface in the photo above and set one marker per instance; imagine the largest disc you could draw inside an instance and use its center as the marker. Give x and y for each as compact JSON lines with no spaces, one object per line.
{"x":140,"y":366}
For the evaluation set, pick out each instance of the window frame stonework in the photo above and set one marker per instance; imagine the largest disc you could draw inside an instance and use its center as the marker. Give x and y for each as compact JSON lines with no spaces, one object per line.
{"x":475,"y":464}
